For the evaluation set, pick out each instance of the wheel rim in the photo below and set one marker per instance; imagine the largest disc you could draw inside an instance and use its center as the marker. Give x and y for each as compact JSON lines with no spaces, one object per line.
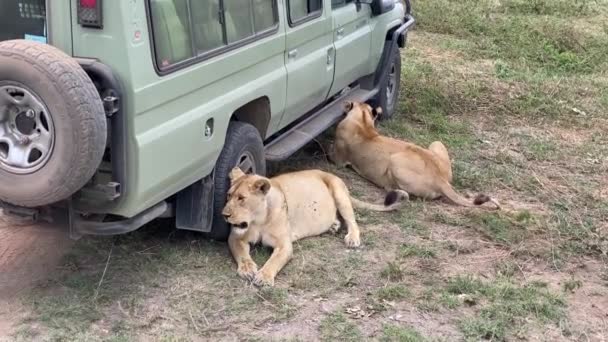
{"x":247,"y":163}
{"x":391,"y":86}
{"x":27,"y":134}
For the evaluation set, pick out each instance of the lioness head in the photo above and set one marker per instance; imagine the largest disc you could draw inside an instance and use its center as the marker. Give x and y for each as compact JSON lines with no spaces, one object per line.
{"x":362,"y":112}
{"x":246,"y":200}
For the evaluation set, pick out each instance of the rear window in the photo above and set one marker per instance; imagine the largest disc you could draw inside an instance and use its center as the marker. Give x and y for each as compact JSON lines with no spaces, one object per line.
{"x":25,"y":19}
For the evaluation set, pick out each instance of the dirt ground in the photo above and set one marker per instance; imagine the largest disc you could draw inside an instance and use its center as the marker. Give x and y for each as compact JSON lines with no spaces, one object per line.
{"x":28,"y":254}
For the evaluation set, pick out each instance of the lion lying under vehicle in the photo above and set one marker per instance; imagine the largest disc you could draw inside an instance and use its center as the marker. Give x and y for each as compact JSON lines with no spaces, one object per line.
{"x":286,"y":208}
{"x":394,"y":164}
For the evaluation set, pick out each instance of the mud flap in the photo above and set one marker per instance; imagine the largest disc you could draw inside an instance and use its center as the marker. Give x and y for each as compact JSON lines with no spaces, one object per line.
{"x":194,"y":206}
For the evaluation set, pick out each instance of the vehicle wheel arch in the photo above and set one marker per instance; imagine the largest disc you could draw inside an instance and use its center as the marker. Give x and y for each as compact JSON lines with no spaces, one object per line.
{"x":256,"y":113}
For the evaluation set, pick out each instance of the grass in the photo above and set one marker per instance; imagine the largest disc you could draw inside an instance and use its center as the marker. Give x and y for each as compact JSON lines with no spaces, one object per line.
{"x":394,"y":333}
{"x":393,"y":292}
{"x":409,"y":250}
{"x":336,"y":327}
{"x":517,"y":91}
{"x":508,"y":307}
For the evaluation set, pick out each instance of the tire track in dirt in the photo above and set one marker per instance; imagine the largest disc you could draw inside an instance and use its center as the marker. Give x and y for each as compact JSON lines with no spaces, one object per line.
{"x":29,"y":253}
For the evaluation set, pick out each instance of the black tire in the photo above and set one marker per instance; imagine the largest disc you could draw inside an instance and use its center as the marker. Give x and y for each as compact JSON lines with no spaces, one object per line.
{"x":241,"y":139}
{"x":386,"y":99}
{"x":68,"y":97}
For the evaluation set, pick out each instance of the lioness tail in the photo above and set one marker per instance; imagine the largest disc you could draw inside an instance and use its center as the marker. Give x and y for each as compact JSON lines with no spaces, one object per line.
{"x":452,"y":195}
{"x":392,"y":201}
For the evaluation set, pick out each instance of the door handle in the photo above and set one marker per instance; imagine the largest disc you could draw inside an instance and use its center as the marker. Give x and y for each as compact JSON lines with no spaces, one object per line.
{"x":292,"y":54}
{"x":340,"y":33}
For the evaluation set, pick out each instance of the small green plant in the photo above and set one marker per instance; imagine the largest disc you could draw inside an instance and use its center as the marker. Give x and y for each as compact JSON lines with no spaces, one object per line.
{"x":336,"y":327}
{"x":395,"y":333}
{"x":571,"y":285}
{"x":393,"y":292}
{"x":410,"y":250}
{"x":392,"y":271}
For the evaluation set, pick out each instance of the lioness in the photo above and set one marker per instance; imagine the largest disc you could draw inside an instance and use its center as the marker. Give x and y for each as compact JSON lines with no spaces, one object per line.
{"x":394,"y":164}
{"x":286,"y":208}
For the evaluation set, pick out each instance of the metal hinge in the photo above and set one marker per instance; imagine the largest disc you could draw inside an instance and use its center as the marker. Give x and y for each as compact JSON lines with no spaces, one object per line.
{"x":111,"y":103}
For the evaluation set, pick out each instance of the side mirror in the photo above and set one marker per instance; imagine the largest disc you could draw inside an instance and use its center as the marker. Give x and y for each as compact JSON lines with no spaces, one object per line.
{"x":382,"y":6}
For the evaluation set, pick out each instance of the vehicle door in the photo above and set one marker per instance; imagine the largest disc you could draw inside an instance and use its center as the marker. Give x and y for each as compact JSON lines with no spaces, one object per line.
{"x":309,"y":56}
{"x":352,"y":41}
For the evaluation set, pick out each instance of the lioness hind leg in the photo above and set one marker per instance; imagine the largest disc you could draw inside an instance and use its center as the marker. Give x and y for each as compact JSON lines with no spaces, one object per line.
{"x":441,"y":152}
{"x":345,"y":208}
{"x":335,"y":227}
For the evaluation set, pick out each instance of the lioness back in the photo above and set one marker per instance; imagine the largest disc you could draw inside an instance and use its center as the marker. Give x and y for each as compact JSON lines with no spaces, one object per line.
{"x":311,"y":207}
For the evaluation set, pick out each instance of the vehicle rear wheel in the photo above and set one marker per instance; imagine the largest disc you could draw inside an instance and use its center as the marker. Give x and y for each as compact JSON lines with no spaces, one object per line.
{"x":244,"y":148}
{"x":52,"y":125}
{"x":388,"y":96}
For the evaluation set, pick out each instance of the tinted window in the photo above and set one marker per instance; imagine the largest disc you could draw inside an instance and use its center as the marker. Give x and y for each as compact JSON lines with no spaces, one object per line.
{"x":263,"y":14}
{"x":185,"y":29}
{"x":301,"y":9}
{"x":208,"y":32}
{"x":23,"y":20}
{"x":339,"y":3}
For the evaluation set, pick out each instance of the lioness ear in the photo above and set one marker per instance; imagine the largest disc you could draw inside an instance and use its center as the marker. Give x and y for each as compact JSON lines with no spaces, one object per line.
{"x":348,"y":106}
{"x":236,"y":173}
{"x":376,"y":112}
{"x":262,"y":185}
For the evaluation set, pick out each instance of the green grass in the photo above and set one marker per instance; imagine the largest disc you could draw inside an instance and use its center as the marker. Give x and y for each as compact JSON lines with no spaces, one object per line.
{"x":508,"y":306}
{"x":392,"y":271}
{"x":409,"y":250}
{"x":393,"y":292}
{"x":395,"y":333}
{"x":337,"y":327}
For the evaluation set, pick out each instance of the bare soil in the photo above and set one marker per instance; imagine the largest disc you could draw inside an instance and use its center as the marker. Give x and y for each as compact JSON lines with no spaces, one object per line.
{"x":28,"y":254}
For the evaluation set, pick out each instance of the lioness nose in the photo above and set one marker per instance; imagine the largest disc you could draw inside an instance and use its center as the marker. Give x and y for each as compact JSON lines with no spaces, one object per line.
{"x":225,"y":214}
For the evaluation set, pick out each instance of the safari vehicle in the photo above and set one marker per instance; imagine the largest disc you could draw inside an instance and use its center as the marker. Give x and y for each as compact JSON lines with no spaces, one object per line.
{"x":119,"y":112}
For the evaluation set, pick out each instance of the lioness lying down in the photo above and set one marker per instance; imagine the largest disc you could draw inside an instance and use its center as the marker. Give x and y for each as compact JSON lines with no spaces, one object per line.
{"x":394,"y":164}
{"x":286,"y":208}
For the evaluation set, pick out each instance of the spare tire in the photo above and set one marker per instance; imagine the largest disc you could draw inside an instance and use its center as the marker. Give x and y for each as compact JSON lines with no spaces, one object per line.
{"x":52,"y":125}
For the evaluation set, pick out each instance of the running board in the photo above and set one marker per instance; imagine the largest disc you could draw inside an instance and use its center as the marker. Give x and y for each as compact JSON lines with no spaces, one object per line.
{"x":302,"y":133}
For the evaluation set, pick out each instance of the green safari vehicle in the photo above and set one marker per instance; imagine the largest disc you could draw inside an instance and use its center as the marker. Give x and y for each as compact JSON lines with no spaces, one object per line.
{"x":115,"y":113}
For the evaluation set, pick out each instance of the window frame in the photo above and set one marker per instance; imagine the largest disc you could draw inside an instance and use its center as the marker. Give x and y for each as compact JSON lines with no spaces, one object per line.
{"x":198,"y":58}
{"x":311,"y":16}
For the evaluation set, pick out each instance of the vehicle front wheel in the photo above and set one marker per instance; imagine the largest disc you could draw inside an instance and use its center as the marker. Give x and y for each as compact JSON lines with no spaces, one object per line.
{"x":244,"y":148}
{"x":388,"y":96}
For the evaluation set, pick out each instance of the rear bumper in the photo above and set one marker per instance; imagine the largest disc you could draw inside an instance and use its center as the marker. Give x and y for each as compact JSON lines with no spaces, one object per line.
{"x":78,"y":225}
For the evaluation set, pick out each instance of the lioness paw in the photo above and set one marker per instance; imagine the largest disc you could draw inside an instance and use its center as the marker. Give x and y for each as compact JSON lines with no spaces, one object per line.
{"x":263,"y":279}
{"x":247,"y":270}
{"x":352,"y":240}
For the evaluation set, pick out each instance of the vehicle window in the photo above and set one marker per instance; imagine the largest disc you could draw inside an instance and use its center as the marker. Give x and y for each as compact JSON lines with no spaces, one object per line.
{"x":339,"y":3}
{"x":239,"y":19}
{"x":185,"y":29}
{"x":171,"y":29}
{"x":208,"y":32}
{"x":299,"y":10}
{"x":263,"y":14}
{"x":23,"y":20}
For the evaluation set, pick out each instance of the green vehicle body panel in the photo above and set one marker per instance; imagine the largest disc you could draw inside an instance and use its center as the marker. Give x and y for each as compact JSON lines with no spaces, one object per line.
{"x":308,"y":71}
{"x":352,"y":41}
{"x":167,"y":149}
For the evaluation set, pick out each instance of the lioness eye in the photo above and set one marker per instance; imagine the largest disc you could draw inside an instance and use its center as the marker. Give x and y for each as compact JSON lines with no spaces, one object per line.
{"x":241,"y":198}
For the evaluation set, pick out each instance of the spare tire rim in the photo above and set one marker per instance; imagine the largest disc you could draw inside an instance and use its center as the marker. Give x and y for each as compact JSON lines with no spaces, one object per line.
{"x":247,"y":163}
{"x":27,"y":135}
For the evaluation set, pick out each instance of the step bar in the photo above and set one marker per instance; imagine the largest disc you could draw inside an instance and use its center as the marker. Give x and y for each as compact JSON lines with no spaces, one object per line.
{"x":305,"y":131}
